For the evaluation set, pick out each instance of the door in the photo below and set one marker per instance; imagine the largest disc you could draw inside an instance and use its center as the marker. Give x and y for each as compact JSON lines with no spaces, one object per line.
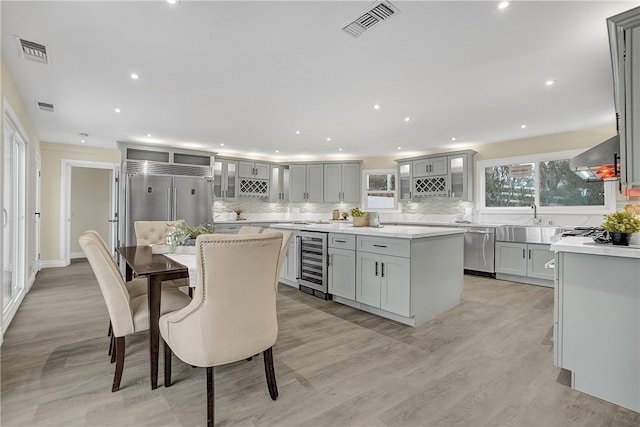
{"x":511,"y":258}
{"x":342,"y":273}
{"x":396,"y":285}
{"x":148,"y":199}
{"x":192,"y":200}
{"x":36,"y":215}
{"x":13,"y":220}
{"x":539,"y":256}
{"x":368,"y":279}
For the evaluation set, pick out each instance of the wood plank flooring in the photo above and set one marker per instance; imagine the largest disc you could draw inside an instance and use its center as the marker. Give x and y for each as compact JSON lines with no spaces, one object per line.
{"x":486,"y":362}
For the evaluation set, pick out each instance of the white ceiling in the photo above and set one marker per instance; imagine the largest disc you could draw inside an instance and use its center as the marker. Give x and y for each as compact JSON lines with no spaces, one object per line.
{"x":249,"y":74}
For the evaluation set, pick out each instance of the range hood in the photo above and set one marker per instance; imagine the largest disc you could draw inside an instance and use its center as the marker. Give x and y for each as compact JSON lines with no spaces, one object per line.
{"x":599,"y":163}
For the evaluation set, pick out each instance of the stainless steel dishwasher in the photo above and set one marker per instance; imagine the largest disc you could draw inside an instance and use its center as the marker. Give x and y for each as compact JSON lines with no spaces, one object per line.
{"x":479,"y":250}
{"x":312,"y":263}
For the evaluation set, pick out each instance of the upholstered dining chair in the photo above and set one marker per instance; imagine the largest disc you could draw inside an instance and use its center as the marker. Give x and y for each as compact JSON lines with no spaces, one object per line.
{"x":286,"y":239}
{"x":233,"y":312}
{"x":128,"y":314}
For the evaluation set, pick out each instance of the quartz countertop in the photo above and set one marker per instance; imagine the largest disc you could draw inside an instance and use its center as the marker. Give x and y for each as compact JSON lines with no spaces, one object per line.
{"x":397,"y":231}
{"x":586,"y":245}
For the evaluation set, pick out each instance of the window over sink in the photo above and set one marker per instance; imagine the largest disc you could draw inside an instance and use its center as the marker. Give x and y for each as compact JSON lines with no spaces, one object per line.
{"x":510,"y":184}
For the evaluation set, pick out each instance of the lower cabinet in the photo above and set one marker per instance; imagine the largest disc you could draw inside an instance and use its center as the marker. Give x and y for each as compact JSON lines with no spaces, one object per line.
{"x":342,"y":273}
{"x":288,"y":273}
{"x":383,"y":281}
{"x":524,"y":261}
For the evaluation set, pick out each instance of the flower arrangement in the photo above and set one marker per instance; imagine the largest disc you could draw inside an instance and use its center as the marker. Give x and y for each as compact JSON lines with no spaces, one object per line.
{"x":238,"y":214}
{"x":360,"y":219}
{"x":356,"y":212}
{"x":624,"y":221}
{"x":181,"y":233}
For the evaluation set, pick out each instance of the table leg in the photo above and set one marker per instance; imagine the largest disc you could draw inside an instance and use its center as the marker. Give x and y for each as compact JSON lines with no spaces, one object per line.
{"x":154,"y":294}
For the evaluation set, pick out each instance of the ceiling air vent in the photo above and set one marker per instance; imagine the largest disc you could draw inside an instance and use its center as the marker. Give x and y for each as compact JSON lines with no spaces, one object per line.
{"x":45,"y":106}
{"x":372,"y":16}
{"x":33,"y":51}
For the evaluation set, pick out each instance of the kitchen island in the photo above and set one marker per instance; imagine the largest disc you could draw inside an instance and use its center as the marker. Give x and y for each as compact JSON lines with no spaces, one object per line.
{"x":405,"y":273}
{"x":597,"y":318}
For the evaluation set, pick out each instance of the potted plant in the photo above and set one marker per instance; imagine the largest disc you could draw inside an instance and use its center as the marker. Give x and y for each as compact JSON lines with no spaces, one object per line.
{"x":239,"y":214}
{"x":359,"y":218}
{"x":621,"y":225}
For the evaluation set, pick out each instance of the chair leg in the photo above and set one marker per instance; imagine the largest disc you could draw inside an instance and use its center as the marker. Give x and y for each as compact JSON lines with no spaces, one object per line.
{"x":110,"y":330}
{"x":167,"y":364}
{"x":110,"y":334}
{"x":270,"y":373}
{"x":119,"y":352}
{"x":112,"y":349}
{"x":210,"y":397}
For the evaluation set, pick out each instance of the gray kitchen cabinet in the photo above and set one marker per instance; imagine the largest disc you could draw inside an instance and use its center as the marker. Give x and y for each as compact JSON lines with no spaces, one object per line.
{"x":306,"y":182}
{"x":257,"y":170}
{"x":624,"y":39}
{"x":405,"y":179}
{"x":383,"y":280}
{"x":288,"y":273}
{"x":225,"y":179}
{"x":524,"y":262}
{"x":445,"y":175}
{"x":341,"y":270}
{"x":430,"y":166}
{"x":341,"y":182}
{"x":279,"y":189}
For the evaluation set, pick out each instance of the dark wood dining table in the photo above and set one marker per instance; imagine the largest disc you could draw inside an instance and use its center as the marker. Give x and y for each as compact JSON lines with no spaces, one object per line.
{"x":157,"y":268}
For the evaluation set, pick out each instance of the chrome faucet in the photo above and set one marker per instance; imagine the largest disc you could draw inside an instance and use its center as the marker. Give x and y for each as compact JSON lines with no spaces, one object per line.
{"x":536,"y":220}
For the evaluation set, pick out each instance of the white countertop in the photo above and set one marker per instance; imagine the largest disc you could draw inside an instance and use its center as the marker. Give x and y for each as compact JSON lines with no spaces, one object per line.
{"x":398,"y":231}
{"x":586,"y":245}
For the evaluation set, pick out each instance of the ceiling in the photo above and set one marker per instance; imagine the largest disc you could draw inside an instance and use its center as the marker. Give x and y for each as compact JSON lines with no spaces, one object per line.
{"x":250,"y":74}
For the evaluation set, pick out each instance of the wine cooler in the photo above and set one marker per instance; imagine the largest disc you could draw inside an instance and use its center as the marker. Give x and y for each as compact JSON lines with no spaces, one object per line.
{"x":312,"y":264}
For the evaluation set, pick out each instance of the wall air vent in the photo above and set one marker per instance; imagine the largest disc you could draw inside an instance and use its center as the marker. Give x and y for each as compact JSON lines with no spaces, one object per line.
{"x":32,"y":51}
{"x":372,"y":16}
{"x":45,"y":106}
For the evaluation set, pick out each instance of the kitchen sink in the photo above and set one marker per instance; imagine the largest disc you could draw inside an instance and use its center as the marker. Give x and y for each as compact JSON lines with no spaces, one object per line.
{"x":528,"y":233}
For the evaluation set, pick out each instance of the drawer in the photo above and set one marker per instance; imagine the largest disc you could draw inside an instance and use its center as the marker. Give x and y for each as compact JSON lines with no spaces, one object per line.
{"x":342,"y":241}
{"x":384,"y":246}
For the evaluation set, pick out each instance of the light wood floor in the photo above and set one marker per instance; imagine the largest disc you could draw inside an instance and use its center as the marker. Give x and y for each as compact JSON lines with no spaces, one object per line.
{"x":486,"y":362}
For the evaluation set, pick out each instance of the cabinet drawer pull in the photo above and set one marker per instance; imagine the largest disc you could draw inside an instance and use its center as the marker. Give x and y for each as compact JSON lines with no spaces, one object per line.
{"x":379,"y":246}
{"x":340,"y":241}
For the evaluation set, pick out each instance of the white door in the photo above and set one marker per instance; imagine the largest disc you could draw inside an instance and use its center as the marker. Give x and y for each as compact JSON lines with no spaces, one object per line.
{"x":36,"y":215}
{"x":13,"y":220}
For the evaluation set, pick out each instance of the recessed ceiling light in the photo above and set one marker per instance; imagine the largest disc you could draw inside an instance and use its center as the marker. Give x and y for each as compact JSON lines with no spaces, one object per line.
{"x":222,"y":144}
{"x":134,"y":76}
{"x":399,"y":148}
{"x":523,"y":126}
{"x":148,"y":135}
{"x":117,"y":110}
{"x":277,"y":151}
{"x":328,"y":139}
{"x":503,"y":5}
{"x":339,"y":149}
{"x":376,"y":107}
{"x":549,"y":82}
{"x":297,"y":132}
{"x":82,"y":140}
{"x":453,"y":138}
{"x":173,"y":1}
{"x":406,"y":119}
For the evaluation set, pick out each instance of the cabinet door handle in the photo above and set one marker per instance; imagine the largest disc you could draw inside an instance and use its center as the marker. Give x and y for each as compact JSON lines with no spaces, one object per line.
{"x":376,"y":268}
{"x":379,"y":246}
{"x":523,"y":253}
{"x":382,"y":271}
{"x":529,"y":253}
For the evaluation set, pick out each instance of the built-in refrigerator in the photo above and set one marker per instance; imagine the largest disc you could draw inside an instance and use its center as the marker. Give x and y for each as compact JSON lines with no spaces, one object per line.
{"x":159,"y":196}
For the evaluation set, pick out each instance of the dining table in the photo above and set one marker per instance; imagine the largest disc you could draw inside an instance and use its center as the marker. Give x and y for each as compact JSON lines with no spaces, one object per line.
{"x":142,"y":261}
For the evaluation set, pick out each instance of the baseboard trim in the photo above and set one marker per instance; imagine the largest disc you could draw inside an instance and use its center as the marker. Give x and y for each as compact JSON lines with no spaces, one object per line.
{"x":76,"y":255}
{"x":53,"y":263}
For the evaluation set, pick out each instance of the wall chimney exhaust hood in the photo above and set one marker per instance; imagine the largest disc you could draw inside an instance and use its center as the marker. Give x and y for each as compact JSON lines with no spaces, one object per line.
{"x":599,"y":163}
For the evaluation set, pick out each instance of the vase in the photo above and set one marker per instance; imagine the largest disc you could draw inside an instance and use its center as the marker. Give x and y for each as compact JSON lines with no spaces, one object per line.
{"x":619,"y":238}
{"x":360,"y":221}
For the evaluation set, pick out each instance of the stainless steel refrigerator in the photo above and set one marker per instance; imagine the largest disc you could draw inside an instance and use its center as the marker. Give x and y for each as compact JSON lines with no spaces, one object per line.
{"x":166,"y":197}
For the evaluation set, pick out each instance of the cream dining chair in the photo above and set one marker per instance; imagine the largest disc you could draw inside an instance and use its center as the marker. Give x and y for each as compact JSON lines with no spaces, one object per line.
{"x":233,"y":312}
{"x":128,"y":314}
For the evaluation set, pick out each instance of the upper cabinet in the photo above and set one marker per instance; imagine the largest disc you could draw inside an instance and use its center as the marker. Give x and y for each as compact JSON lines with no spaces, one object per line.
{"x":279,"y":183}
{"x":624,"y":39}
{"x":443,"y":175}
{"x":225,"y":179}
{"x":341,"y":182}
{"x":248,"y":169}
{"x":306,"y":182}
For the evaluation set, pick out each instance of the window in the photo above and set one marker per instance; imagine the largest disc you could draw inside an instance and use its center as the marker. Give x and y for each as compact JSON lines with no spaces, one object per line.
{"x":379,"y":189}
{"x":545,"y":180}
